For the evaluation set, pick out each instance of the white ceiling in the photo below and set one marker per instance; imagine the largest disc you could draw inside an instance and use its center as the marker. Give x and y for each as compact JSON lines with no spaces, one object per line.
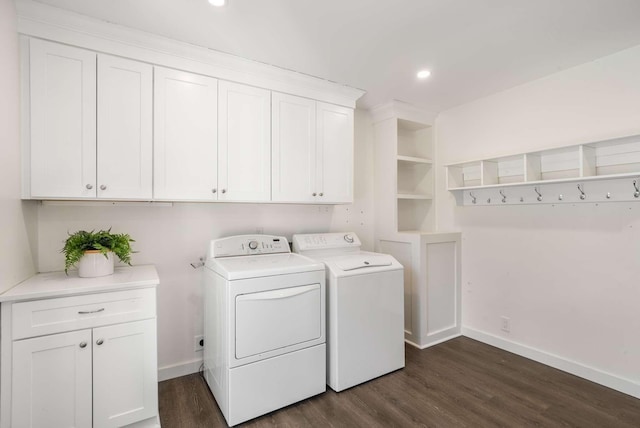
{"x":473,"y":47}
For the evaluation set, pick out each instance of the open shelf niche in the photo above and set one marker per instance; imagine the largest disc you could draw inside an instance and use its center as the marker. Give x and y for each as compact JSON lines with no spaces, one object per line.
{"x":616,"y":160}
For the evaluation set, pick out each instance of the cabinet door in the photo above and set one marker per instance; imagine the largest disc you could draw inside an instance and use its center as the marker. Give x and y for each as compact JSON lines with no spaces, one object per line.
{"x":125,"y":379}
{"x":334,"y":153}
{"x":51,"y":381}
{"x":185,"y":156}
{"x":63,"y":120}
{"x":244,"y":149}
{"x":124,"y":128}
{"x":294,"y":146}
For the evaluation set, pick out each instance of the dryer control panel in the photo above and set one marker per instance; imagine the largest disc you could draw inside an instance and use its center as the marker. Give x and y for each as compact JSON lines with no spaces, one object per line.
{"x":247,"y":245}
{"x":323,"y":241}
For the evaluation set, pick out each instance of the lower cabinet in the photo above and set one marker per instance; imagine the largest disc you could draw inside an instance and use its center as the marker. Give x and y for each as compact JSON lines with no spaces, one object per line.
{"x":80,"y":361}
{"x":432,"y":300}
{"x":56,"y":376}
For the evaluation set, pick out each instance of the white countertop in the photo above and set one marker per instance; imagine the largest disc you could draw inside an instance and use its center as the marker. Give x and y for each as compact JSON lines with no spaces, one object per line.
{"x":58,"y":284}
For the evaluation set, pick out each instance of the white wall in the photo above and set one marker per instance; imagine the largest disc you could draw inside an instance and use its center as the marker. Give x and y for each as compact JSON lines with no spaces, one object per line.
{"x":171,"y":237}
{"x":566,"y":276}
{"x":15,"y":255}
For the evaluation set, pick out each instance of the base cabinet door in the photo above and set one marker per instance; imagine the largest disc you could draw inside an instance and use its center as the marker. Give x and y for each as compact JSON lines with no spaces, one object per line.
{"x":51,"y":381}
{"x":125,"y":380}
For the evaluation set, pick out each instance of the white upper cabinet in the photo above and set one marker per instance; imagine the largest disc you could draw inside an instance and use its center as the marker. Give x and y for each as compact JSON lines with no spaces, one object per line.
{"x":124,"y":128}
{"x":294,"y":148}
{"x":185,"y":136}
{"x":312,"y":151}
{"x":244,"y":149}
{"x":334,"y":153}
{"x":71,"y":156}
{"x":103,"y":126}
{"x":63,"y":121}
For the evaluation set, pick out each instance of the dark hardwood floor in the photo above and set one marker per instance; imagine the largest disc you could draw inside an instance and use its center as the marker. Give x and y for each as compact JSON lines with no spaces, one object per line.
{"x":459,"y":383}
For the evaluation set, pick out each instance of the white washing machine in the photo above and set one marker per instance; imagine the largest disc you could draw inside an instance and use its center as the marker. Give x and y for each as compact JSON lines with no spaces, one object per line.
{"x":264,"y":331}
{"x":365,"y":308}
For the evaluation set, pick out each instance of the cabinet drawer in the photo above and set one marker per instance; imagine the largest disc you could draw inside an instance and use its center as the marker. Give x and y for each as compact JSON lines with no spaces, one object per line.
{"x":40,"y":317}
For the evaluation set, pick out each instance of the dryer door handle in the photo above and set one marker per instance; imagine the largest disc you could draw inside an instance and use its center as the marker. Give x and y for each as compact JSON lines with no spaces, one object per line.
{"x":278,"y":294}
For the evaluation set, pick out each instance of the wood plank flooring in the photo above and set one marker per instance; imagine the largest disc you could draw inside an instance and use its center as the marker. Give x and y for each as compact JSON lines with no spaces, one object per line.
{"x":459,"y":383}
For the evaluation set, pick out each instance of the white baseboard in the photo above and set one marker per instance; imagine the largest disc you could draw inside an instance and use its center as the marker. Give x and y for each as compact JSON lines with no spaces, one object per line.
{"x":598,"y":376}
{"x":177,"y":370}
{"x":433,"y":342}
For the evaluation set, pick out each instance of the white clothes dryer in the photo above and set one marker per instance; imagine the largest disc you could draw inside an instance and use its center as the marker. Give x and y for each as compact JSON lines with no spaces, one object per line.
{"x":264,"y":327}
{"x":365,"y":308}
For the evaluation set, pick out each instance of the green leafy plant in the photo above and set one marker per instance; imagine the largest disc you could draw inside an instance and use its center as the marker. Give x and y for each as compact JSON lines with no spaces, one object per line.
{"x":103,"y":240}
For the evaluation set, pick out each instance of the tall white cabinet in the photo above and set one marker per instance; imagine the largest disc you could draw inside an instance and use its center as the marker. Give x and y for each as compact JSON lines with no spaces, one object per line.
{"x":80,"y":352}
{"x":405,"y":224}
{"x":312,"y":151}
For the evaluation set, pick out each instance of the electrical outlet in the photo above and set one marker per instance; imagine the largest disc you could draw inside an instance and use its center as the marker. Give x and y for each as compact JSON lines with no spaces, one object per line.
{"x":505,"y":324}
{"x":198,"y":343}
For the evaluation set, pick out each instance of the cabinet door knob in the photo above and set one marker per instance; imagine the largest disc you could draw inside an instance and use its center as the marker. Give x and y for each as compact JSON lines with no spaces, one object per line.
{"x":83,"y":344}
{"x":224,"y":190}
{"x":89,"y":186}
{"x":103,"y":187}
{"x":321,"y":194}
{"x":313,"y":194}
{"x":214,"y":190}
{"x":99,"y":342}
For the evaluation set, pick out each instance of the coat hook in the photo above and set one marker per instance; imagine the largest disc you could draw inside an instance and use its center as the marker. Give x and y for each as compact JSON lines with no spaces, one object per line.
{"x":504,"y":198}
{"x":473,"y":198}
{"x":538,"y":192}
{"x":582,"y":195}
{"x":636,"y":194}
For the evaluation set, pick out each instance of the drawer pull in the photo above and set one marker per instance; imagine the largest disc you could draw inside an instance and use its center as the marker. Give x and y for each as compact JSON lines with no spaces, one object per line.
{"x":90,"y":312}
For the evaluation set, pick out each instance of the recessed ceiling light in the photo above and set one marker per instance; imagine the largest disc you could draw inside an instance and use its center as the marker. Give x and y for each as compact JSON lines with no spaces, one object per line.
{"x":423,"y":74}
{"x":217,"y":2}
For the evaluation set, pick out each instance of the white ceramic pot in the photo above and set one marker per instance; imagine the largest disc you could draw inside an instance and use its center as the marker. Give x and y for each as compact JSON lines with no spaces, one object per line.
{"x":94,"y":264}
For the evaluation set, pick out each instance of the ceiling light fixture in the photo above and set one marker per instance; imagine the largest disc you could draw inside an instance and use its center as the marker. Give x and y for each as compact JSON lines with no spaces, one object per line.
{"x":218,"y":2}
{"x":423,"y":74}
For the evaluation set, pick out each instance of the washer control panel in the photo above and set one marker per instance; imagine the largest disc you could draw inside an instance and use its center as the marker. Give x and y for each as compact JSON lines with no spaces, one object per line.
{"x":245,"y":245}
{"x":321,"y":241}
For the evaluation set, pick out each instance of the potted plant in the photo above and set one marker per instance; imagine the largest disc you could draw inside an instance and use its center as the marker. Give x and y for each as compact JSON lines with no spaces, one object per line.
{"x":93,"y":252}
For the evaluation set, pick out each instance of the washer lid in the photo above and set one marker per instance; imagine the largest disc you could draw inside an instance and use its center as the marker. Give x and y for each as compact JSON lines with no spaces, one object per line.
{"x":243,"y":267}
{"x":360,"y":263}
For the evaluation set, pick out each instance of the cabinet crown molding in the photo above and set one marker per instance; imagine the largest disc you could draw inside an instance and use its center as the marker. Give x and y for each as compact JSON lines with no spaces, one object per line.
{"x":401,"y":110}
{"x":52,"y":23}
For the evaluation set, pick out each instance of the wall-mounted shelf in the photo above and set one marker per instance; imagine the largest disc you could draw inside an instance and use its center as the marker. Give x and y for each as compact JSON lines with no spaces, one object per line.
{"x":556,"y":172}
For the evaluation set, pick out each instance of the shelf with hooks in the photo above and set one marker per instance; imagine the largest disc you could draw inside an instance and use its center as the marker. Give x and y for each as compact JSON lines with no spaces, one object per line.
{"x":607,"y":170}
{"x":610,"y":189}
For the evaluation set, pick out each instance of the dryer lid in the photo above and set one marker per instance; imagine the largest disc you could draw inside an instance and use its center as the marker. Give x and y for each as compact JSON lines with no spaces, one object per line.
{"x":243,"y":267}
